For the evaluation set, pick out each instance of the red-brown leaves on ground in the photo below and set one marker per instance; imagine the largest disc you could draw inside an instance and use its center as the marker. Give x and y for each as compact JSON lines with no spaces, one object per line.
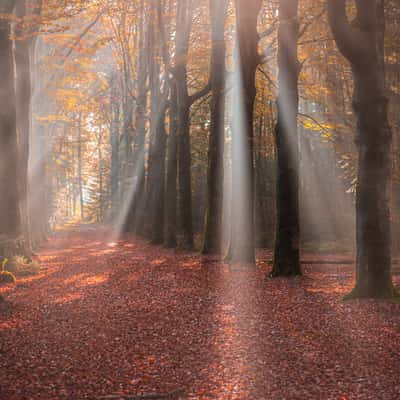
{"x":131,"y":318}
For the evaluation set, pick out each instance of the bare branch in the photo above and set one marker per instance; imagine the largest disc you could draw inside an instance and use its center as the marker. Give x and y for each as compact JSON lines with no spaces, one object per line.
{"x":350,"y":41}
{"x":199,"y":94}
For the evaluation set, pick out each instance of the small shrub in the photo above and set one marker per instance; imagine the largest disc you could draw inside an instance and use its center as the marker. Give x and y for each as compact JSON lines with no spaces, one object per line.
{"x":22,"y":266}
{"x":6,"y":276}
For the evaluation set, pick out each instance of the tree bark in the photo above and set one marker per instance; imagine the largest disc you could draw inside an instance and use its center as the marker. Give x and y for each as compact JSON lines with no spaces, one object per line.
{"x":114,"y":144}
{"x":10,"y":223}
{"x":242,"y":244}
{"x":80,"y":178}
{"x":156,"y":168}
{"x":170,"y":240}
{"x":287,"y":252}
{"x":215,"y":174}
{"x":361,"y":42}
{"x":184,"y":23}
{"x":23,"y":97}
{"x":135,"y":217}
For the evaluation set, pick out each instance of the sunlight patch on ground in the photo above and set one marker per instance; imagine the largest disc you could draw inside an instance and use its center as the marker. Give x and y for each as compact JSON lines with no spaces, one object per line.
{"x":76,"y":278}
{"x":159,"y":261}
{"x":82,"y":280}
{"x":67,"y":298}
{"x":93,"y":280}
{"x":101,"y":252}
{"x":190,"y":264}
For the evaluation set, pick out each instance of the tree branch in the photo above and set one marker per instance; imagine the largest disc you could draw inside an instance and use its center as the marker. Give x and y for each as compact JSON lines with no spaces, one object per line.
{"x":350,"y":41}
{"x":199,"y":94}
{"x":84,"y":32}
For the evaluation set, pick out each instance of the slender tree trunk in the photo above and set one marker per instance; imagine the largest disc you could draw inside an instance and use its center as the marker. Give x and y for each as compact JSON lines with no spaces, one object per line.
{"x":10,"y":224}
{"x":215,"y":174}
{"x":127,"y":179}
{"x":242,"y":244}
{"x":363,"y":45}
{"x":287,"y":252}
{"x":80,"y":183}
{"x":101,"y":195}
{"x":114,"y":143}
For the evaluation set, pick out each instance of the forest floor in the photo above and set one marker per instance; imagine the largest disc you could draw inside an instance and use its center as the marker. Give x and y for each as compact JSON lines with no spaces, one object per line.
{"x":131,"y":318}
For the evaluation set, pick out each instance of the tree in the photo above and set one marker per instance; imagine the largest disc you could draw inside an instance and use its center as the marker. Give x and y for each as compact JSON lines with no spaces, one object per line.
{"x":114,"y":144}
{"x":10,"y":224}
{"x":362,"y":44}
{"x":170,"y":240}
{"x":184,"y":103}
{"x":287,"y":253}
{"x":158,"y":139}
{"x":242,"y":245}
{"x":23,"y":98}
{"x":213,"y":223}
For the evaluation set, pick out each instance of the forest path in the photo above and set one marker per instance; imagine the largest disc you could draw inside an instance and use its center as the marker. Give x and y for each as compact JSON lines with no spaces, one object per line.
{"x":128,"y":317}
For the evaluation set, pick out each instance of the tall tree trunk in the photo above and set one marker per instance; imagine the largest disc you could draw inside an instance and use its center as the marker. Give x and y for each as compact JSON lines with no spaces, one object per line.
{"x":158,"y":177}
{"x":10,"y":224}
{"x":101,"y":194}
{"x":184,"y":23}
{"x":287,"y":252}
{"x":23,"y":96}
{"x":242,"y":244}
{"x":215,"y":174}
{"x":114,"y":143}
{"x":156,"y":163}
{"x":80,"y":182}
{"x":137,"y":206}
{"x":127,"y":179}
{"x":172,"y":172}
{"x":184,"y":163}
{"x":362,"y":43}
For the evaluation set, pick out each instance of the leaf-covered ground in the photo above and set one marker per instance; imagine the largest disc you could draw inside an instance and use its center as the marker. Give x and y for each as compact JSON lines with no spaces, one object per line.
{"x":137,"y":319}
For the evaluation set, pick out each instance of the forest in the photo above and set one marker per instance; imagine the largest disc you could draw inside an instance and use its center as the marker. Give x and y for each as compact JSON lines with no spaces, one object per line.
{"x":199,"y":199}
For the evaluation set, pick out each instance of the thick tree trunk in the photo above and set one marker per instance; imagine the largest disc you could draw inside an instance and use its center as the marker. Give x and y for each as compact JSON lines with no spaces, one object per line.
{"x":39,"y":182}
{"x":362,"y":44}
{"x":10,"y":224}
{"x":215,"y":173}
{"x":23,"y":96}
{"x":287,"y":252}
{"x":157,"y":151}
{"x":242,"y":243}
{"x":184,"y":162}
{"x":172,"y":172}
{"x":156,"y":169}
{"x":184,"y":23}
{"x":158,"y":190}
{"x":135,"y":218}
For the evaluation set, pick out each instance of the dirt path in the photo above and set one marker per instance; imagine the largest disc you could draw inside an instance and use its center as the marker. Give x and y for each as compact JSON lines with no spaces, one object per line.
{"x":132,"y":318}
